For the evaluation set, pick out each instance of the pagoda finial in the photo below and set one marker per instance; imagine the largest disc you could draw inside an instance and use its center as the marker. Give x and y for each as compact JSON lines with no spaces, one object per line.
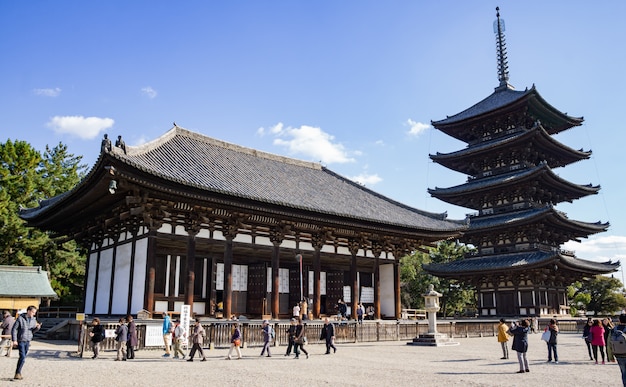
{"x":503,"y":64}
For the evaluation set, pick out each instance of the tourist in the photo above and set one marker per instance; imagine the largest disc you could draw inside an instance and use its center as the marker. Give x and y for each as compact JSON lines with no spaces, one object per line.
{"x":360,"y":311}
{"x":167,"y":333}
{"x":503,"y":338}
{"x":535,"y":325}
{"x":267,"y":338}
{"x":97,"y":335}
{"x":554,"y":331}
{"x":295,"y":312}
{"x":300,"y":340}
{"x":370,"y":312}
{"x":520,"y":343}
{"x":587,"y":336}
{"x":304,"y":309}
{"x":608,"y":326}
{"x":621,"y":358}
{"x":291,"y":335}
{"x":235,"y":342}
{"x":179,"y":338}
{"x":597,"y":340}
{"x":7,"y":325}
{"x":121,"y":337}
{"x":21,"y":335}
{"x":328,"y":334}
{"x":197,"y":338}
{"x":132,"y":338}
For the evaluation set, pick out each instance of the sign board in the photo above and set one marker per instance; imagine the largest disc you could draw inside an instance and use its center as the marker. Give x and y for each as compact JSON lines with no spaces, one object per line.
{"x":80,"y":316}
{"x":109,"y":333}
{"x":185,"y":320}
{"x":154,"y":336}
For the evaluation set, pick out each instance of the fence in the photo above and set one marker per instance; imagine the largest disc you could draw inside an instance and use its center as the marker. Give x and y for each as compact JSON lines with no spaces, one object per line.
{"x":218,"y":333}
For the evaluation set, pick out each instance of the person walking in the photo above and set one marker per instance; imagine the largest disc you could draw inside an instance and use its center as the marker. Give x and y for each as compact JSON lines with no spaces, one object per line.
{"x":235,"y":342}
{"x":291,"y":335}
{"x":121,"y":337}
{"x":179,"y":338}
{"x":167,"y":333}
{"x":587,"y":336}
{"x":520,"y":344}
{"x":267,"y":338}
{"x":7,"y":325}
{"x":503,"y":338}
{"x":21,"y":335}
{"x":597,"y":340}
{"x":300,"y":340}
{"x":132,"y":338}
{"x":554,"y":332}
{"x":295,"y":312}
{"x":197,"y":338}
{"x":360,"y":311}
{"x":97,"y":336}
{"x":621,"y":358}
{"x":608,"y":326}
{"x":328,"y":335}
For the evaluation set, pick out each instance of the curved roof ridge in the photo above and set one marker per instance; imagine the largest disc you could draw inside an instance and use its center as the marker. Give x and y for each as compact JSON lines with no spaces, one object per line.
{"x":182,"y":132}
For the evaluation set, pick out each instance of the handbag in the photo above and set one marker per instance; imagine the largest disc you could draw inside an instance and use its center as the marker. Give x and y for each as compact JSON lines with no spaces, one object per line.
{"x":545,"y":336}
{"x":301,"y":340}
{"x":237,"y":342}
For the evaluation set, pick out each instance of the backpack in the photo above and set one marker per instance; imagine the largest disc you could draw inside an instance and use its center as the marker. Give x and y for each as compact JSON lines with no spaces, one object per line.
{"x":271,"y":331}
{"x":617,"y":340}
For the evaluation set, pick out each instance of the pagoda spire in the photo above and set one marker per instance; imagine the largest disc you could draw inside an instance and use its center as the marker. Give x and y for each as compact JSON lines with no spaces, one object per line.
{"x":503,"y":64}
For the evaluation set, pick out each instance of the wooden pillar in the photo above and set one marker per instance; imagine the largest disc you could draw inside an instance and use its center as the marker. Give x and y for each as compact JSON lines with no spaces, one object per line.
{"x":377,"y":286}
{"x":131,"y":277}
{"x":150,"y":271}
{"x":191,"y":269}
{"x":354,"y":291}
{"x":396,"y":284}
{"x":276,"y":280}
{"x":317,"y":288}
{"x":228,"y":277}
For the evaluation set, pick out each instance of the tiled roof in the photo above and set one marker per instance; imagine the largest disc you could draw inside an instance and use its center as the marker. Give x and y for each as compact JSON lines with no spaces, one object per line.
{"x":534,"y":215}
{"x":496,"y":100}
{"x":194,"y":160}
{"x":506,"y":179}
{"x":519,"y":261}
{"x":25,"y":281}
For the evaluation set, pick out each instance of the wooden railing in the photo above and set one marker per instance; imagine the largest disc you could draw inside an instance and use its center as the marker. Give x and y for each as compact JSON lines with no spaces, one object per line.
{"x":218,"y":333}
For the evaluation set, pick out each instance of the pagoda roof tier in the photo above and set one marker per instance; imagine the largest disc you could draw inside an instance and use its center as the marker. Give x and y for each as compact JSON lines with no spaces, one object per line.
{"x":553,"y":152}
{"x":548,"y":217}
{"x":520,"y":262}
{"x":545,"y":184}
{"x":189,"y":167}
{"x":502,"y":101}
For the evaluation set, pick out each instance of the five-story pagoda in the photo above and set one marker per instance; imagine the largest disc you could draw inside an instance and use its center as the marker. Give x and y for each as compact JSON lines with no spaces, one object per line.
{"x":519,"y":268}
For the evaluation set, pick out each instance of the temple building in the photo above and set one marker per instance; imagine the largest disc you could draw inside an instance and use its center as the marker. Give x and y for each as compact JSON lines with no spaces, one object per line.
{"x":519,"y":268}
{"x":188,"y":219}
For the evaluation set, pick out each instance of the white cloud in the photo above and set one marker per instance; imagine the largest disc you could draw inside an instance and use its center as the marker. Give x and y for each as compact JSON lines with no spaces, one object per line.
{"x":366,"y":179}
{"x":309,"y":141}
{"x":149,"y":92}
{"x":601,"y":248}
{"x":85,"y":128}
{"x":416,"y":127}
{"x":48,"y":92}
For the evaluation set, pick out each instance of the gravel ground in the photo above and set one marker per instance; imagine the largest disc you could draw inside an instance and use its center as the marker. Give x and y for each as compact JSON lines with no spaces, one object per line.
{"x":475,"y":362}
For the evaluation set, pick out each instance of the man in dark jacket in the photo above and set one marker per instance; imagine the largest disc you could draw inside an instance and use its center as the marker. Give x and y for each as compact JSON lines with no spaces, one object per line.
{"x":328,"y":334}
{"x":22,"y":334}
{"x":7,"y":325}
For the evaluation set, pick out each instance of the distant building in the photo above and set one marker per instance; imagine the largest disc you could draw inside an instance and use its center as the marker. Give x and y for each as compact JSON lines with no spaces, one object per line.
{"x":22,"y":286}
{"x":187,"y":219}
{"x":519,"y":269}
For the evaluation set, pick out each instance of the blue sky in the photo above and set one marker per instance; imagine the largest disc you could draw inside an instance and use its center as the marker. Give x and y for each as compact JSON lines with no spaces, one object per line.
{"x":351,"y":84}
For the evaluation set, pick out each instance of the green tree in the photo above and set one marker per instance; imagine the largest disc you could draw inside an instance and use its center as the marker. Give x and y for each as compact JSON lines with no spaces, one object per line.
{"x":26,"y":178}
{"x":414,"y":280}
{"x":600,"y":294}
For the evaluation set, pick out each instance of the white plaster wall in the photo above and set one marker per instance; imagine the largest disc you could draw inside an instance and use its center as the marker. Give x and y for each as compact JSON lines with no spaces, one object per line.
{"x":139,"y":276}
{"x":243,"y":238}
{"x":263,"y":241}
{"x":122,"y":279}
{"x":91,"y":282}
{"x":104,"y":282}
{"x":387,"y":297}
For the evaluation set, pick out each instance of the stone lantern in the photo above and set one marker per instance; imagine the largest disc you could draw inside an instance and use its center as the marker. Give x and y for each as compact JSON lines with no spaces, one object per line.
{"x":432,"y":338}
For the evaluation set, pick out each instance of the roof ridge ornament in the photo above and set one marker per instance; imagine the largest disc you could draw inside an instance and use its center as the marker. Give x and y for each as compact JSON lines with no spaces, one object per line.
{"x":503,"y":64}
